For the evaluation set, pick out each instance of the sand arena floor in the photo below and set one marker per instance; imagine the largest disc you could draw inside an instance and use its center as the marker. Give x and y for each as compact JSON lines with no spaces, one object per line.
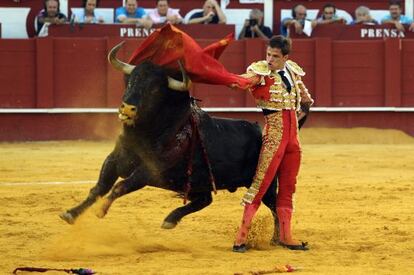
{"x":354,"y":205}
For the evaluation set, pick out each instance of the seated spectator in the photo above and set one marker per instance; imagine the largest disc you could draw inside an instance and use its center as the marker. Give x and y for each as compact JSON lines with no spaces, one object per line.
{"x":87,"y":15}
{"x":211,"y":14}
{"x":363,"y":16}
{"x":396,"y":18}
{"x":50,"y":14}
{"x":254,"y":27}
{"x":297,"y":20}
{"x":329,"y":16}
{"x":132,"y":14}
{"x":164,"y":14}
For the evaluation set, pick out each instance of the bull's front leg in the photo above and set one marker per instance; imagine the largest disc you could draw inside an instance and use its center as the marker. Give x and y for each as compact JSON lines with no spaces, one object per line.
{"x":137,"y":180}
{"x":107,"y":178}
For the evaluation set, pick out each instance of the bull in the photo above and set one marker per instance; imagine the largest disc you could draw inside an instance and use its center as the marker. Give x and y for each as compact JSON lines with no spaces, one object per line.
{"x":170,"y":143}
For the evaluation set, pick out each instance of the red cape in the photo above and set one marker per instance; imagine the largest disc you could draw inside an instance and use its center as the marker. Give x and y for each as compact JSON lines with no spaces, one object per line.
{"x":168,"y":44}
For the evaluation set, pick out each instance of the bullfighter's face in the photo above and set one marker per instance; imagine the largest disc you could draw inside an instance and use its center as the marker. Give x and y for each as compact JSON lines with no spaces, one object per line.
{"x":275,"y":58}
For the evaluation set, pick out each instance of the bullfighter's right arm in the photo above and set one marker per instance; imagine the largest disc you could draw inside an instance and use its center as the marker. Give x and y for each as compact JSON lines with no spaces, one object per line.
{"x":255,"y":74}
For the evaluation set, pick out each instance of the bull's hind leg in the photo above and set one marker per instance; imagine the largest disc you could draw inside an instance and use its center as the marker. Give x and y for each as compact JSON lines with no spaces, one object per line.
{"x":107,"y":178}
{"x":269,"y":199}
{"x":197,"y":202}
{"x":137,"y":180}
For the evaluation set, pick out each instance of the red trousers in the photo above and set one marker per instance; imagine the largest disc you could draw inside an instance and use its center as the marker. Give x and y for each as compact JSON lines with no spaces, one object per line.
{"x":280,"y":154}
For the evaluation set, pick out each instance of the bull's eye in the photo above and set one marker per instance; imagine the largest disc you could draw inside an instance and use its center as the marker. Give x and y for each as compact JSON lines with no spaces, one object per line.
{"x":122,"y":105}
{"x":133,"y":109}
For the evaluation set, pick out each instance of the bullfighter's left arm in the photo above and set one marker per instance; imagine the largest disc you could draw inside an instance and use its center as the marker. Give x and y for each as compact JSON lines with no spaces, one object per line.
{"x":306,"y":100}
{"x":303,"y":95}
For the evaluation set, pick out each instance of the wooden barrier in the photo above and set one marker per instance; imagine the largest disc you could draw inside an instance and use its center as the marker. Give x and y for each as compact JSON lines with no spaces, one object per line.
{"x":73,"y":72}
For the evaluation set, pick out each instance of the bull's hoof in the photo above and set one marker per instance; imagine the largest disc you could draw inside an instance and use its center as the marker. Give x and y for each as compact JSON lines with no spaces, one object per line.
{"x":103,"y":210}
{"x":168,"y":225}
{"x":67,"y":217}
{"x":101,"y":213}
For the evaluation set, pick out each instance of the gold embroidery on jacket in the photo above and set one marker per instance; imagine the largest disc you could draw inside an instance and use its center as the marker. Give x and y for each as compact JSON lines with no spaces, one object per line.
{"x":259,"y":67}
{"x":272,"y":136}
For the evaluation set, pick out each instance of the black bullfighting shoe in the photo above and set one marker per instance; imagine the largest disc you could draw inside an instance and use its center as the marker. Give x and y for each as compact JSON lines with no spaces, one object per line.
{"x":303,"y":246}
{"x":239,"y":248}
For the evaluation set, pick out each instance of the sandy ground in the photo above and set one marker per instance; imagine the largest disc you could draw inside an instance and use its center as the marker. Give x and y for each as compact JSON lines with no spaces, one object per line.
{"x":354,"y":205}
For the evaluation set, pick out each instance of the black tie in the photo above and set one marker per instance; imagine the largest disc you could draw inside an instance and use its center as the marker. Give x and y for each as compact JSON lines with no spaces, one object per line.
{"x":285,"y":80}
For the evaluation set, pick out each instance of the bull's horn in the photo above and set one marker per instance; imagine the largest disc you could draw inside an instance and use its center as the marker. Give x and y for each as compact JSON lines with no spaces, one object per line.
{"x":180,"y":85}
{"x":118,"y":64}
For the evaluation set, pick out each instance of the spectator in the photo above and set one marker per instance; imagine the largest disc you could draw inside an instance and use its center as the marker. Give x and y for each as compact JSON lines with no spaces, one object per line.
{"x":87,"y":15}
{"x":329,"y":16}
{"x":297,"y":20}
{"x":211,"y":14}
{"x":164,"y":14}
{"x":254,"y":27}
{"x":363,"y":16}
{"x":396,"y":18}
{"x":50,"y":14}
{"x":132,"y":14}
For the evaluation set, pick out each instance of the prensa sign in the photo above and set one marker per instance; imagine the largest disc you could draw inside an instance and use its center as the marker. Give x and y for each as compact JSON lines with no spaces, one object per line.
{"x":135,"y":32}
{"x":381,"y":32}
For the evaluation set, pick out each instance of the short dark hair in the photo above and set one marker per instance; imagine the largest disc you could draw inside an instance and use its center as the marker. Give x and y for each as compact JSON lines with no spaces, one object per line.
{"x":281,"y":42}
{"x":86,"y":1}
{"x":156,"y":1}
{"x":394,"y":3}
{"x":329,"y":5}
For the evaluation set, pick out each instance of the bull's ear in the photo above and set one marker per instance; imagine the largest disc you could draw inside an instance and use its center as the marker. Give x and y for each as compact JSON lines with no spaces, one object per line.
{"x":184,"y":85}
{"x":118,"y":64}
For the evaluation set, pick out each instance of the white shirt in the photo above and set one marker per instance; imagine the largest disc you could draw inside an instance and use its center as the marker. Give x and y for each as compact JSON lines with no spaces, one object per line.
{"x":287,"y":74}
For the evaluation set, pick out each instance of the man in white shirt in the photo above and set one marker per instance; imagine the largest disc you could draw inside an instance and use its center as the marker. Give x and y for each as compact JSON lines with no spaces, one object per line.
{"x":164,"y":14}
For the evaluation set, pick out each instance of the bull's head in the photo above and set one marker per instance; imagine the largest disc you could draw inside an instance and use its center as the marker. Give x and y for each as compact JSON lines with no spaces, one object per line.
{"x":146,"y":87}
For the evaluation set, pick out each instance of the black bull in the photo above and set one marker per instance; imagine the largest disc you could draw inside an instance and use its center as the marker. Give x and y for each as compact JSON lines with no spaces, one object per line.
{"x":157,"y":148}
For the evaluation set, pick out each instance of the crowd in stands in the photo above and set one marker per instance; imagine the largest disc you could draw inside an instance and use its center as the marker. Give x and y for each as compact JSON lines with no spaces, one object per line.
{"x":362,"y":16}
{"x":132,"y":13}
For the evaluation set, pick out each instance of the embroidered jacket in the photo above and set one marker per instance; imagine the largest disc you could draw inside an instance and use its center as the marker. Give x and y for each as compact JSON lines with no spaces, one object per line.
{"x":270,"y":92}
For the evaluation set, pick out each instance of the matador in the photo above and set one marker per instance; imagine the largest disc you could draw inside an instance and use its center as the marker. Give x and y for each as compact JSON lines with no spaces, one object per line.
{"x":277,"y":87}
